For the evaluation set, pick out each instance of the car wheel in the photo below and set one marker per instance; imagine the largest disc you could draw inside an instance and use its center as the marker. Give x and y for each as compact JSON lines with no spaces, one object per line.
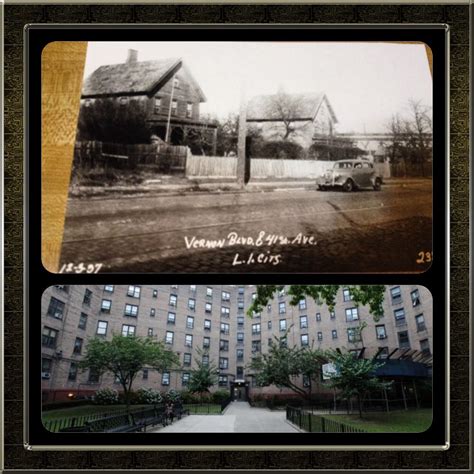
{"x":348,"y":186}
{"x":378,"y":184}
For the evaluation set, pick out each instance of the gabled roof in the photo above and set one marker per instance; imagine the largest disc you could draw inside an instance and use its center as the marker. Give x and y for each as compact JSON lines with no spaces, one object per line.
{"x":262,"y":107}
{"x":141,"y":77}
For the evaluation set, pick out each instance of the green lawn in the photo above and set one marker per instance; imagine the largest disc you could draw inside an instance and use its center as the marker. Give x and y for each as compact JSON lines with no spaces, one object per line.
{"x":409,"y":421}
{"x":203,"y":409}
{"x":84,"y":410}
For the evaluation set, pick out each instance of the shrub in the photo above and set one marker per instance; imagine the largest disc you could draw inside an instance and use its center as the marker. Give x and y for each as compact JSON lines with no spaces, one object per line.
{"x":149,"y":396}
{"x":283,"y":150}
{"x":188,"y":397}
{"x":106,"y":396}
{"x":172,"y":396}
{"x":219,"y":396}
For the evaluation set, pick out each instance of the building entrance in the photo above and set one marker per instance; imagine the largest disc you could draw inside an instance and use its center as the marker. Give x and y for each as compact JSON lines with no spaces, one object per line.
{"x":239,"y":391}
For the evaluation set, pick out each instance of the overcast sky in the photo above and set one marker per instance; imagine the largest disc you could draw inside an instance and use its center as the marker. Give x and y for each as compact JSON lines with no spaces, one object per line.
{"x":366,"y":83}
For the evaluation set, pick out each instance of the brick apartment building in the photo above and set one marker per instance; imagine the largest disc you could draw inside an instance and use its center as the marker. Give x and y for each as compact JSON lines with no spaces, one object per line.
{"x":195,"y":317}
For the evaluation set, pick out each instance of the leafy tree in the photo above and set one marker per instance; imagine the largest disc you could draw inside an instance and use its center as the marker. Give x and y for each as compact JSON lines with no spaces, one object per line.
{"x":372,"y":295}
{"x":125,"y":356}
{"x":354,"y":377}
{"x":204,"y":376}
{"x":282,"y":364}
{"x":108,"y":120}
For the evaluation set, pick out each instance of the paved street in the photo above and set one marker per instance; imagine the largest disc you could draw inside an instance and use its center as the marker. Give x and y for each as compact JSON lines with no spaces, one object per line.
{"x":239,"y":417}
{"x":300,"y":231}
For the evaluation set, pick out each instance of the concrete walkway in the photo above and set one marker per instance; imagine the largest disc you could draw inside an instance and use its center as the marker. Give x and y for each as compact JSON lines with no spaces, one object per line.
{"x":239,"y":417}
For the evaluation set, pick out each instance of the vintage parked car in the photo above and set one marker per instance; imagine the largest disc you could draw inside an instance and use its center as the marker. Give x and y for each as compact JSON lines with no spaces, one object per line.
{"x":350,"y":175}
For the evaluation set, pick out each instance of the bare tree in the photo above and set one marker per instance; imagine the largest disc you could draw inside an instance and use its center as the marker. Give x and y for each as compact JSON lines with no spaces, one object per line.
{"x":287,"y":108}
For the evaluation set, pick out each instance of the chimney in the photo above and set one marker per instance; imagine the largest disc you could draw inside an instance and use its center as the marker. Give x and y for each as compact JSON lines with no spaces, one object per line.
{"x":132,"y":56}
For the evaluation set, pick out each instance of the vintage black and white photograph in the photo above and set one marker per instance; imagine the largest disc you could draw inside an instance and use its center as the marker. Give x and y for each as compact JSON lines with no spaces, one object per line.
{"x":252,"y":157}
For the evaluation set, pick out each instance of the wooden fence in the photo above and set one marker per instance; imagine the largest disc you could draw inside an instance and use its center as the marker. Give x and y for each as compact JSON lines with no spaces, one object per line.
{"x":161,"y":157}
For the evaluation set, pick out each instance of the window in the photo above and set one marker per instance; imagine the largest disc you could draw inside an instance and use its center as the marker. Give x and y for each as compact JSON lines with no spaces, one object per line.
{"x":334,"y":334}
{"x":87,"y":297}
{"x":145,"y":374}
{"x":171,"y":318}
{"x":187,"y":359}
{"x":192,"y":289}
{"x":282,"y":308}
{"x":225,"y":296}
{"x":64,"y":288}
{"x":152,"y":312}
{"x":131,"y":310}
{"x":282,"y":324}
{"x":256,"y":346}
{"x":78,"y":345}
{"x":174,"y":287}
{"x":425,"y":346}
{"x":420,"y":323}
{"x":208,"y":308}
{"x":281,"y":293}
{"x":223,"y":363}
{"x":352,"y":314}
{"x":240,"y":306}
{"x":240,"y":373}
{"x":283,"y":342}
{"x":346,"y":294}
{"x":209,"y":292}
{"x":353,"y":335}
{"x":223,"y":345}
{"x":256,"y":329}
{"x":403,"y":340}
{"x":150,"y":332}
{"x":102,"y":328}
{"x":157,"y":105}
{"x":303,"y":322}
{"x":189,"y":110}
{"x":93,"y":376}
{"x":240,"y":321}
{"x":302,"y":304}
{"x":174,"y":107}
{"x":304,"y":340}
{"x":185,"y":379}
{"x":188,"y":340}
{"x":46,"y":365}
{"x":269,"y":308}
{"x":396,"y":294}
{"x":399,"y":317}
{"x":224,"y":328}
{"x":206,"y":342}
{"x":380,"y":331}
{"x":382,"y":353}
{"x":225,"y":312}
{"x":165,"y":378}
{"x":320,"y":336}
{"x":176,"y":82}
{"x":222,"y":380}
{"x":72,"y":375}
{"x":240,"y":337}
{"x":241,"y":290}
{"x":207,"y":324}
{"x":205,"y":360}
{"x":128,"y":330}
{"x":105,"y":306}
{"x":56,"y":308}
{"x":318,"y":317}
{"x":123,"y":100}
{"x":49,"y":337}
{"x":173,"y":301}
{"x":134,"y":291}
{"x":332,"y":314}
{"x":306,"y":381}
{"x":269,"y":325}
{"x":109,"y":288}
{"x":155,"y":293}
{"x":240,"y":354}
{"x":189,"y":322}
{"x":169,"y":337}
{"x":82,"y":321}
{"x":415,"y":298}
{"x":192,"y":304}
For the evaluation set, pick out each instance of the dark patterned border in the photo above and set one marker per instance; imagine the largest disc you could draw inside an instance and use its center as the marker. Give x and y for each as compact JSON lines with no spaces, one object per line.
{"x":457,"y":16}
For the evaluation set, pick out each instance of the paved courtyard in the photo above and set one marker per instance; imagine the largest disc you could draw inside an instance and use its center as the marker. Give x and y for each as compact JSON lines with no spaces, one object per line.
{"x":239,"y":417}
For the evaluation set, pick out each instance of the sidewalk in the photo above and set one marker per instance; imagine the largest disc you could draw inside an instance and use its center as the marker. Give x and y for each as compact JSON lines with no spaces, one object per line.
{"x":239,"y":417}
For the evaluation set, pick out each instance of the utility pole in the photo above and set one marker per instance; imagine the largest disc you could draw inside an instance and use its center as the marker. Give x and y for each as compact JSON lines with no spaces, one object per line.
{"x":167,"y":135}
{"x":241,"y":152}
